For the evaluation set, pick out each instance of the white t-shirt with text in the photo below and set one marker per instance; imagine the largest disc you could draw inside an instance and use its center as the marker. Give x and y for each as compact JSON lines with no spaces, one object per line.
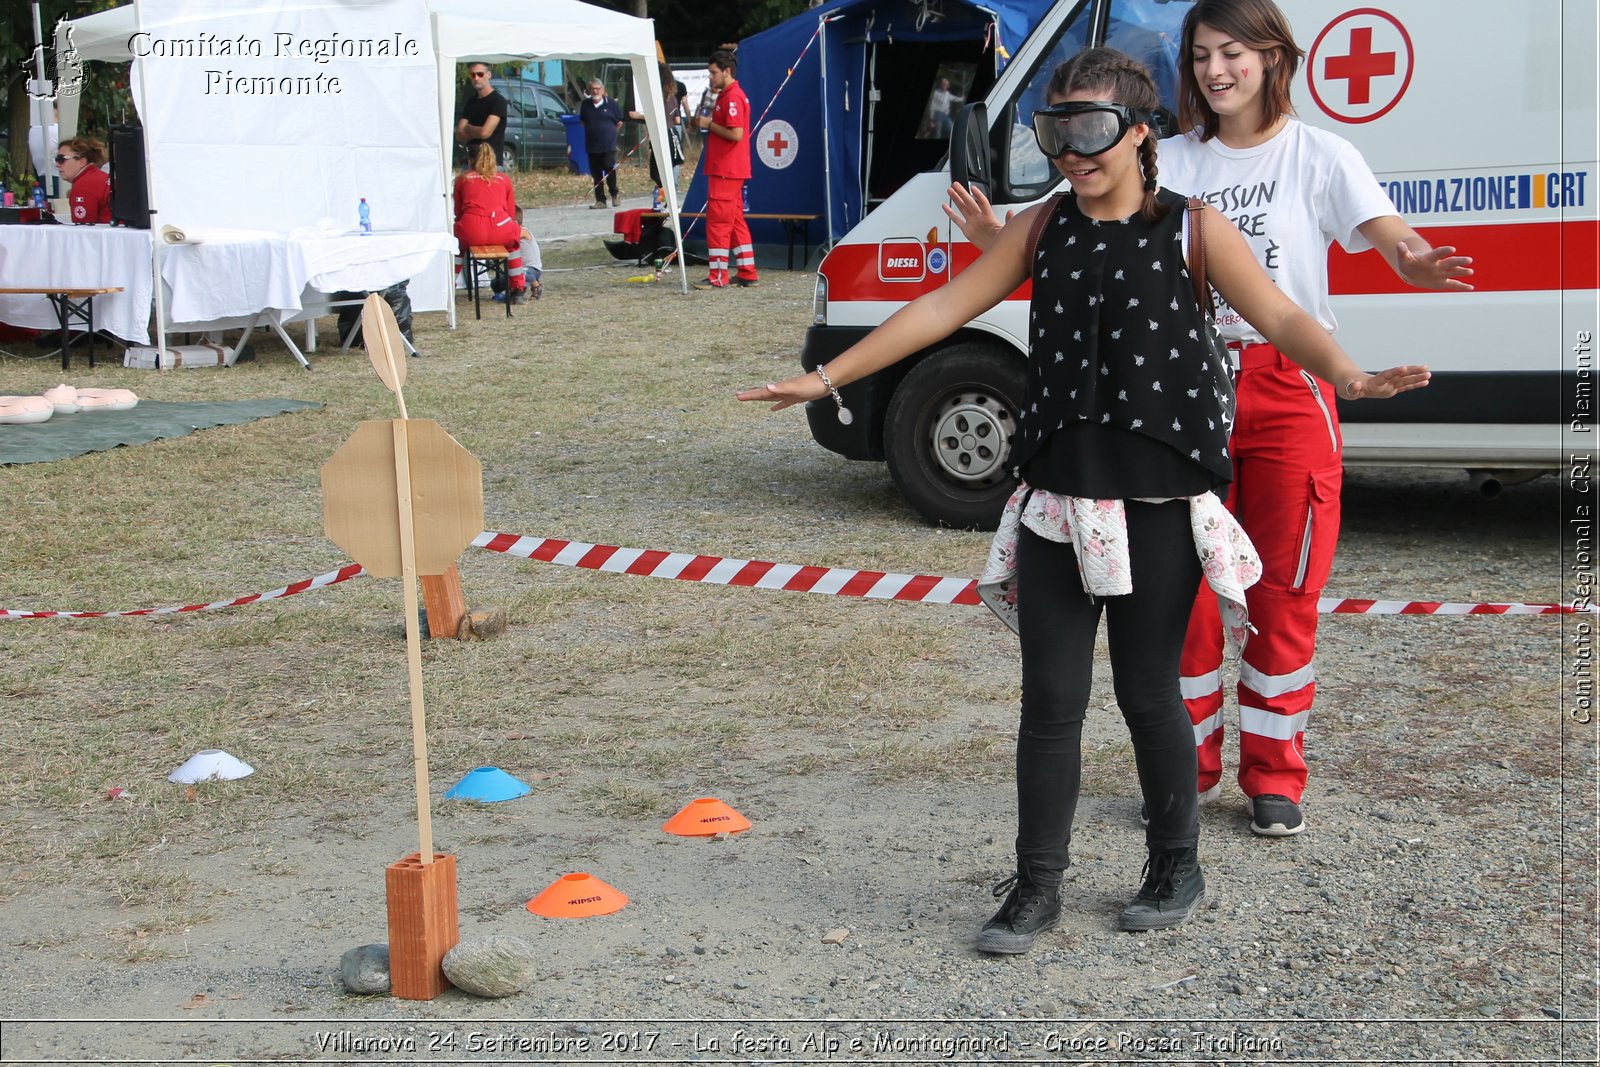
{"x":1291,"y":197}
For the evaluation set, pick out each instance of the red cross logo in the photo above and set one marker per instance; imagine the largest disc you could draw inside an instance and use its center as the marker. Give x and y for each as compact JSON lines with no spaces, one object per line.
{"x":777,"y":144}
{"x":1360,"y":65}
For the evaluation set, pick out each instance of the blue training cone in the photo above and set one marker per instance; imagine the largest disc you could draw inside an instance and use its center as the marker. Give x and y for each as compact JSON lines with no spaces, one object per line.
{"x":488,"y":785}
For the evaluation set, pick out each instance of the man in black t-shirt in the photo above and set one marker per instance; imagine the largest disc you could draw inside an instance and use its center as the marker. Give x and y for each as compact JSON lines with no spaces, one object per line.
{"x":483,"y":116}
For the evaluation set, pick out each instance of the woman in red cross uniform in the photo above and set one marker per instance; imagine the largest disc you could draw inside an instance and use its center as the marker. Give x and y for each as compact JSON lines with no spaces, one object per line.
{"x":78,"y":162}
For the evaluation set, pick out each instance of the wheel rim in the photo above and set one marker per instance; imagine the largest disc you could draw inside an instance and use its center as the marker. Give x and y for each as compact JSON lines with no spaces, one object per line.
{"x":970,"y":438}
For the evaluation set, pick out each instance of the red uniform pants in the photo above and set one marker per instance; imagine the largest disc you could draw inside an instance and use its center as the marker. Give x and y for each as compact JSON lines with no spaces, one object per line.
{"x":1287,"y":471}
{"x":506,"y":233}
{"x":726,"y":230}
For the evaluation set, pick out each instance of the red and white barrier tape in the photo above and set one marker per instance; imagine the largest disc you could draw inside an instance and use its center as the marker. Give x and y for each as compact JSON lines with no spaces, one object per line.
{"x":1348,"y":606}
{"x":759,"y":574}
{"x":754,"y":573}
{"x":343,"y":574}
{"x":922,"y":588}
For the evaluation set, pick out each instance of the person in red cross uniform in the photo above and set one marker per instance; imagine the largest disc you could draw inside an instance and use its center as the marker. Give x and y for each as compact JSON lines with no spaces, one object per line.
{"x":1237,"y":60}
{"x":78,"y":162}
{"x":727,"y":169}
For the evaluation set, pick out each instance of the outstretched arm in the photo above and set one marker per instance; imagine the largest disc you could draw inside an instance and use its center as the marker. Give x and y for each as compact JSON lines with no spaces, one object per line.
{"x":930,"y":318}
{"x":1413,"y":260}
{"x":1233,"y":269}
{"x":974,"y":216}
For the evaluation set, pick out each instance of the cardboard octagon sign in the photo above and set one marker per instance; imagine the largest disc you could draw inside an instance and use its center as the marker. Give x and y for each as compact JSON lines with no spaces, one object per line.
{"x":361,"y":504}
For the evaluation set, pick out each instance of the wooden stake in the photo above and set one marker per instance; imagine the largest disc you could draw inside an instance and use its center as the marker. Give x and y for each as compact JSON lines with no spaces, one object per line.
{"x":408,"y":577}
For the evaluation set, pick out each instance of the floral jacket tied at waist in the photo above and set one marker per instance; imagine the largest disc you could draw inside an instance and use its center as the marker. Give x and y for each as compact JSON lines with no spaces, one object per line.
{"x":1097,"y":530}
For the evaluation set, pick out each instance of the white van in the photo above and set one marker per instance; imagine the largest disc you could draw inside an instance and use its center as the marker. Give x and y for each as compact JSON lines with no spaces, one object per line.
{"x":1478,"y":118}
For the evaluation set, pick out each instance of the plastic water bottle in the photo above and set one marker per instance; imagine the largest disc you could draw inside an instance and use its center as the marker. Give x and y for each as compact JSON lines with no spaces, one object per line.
{"x":366,"y":218}
{"x":745,"y":192}
{"x":38,"y":196}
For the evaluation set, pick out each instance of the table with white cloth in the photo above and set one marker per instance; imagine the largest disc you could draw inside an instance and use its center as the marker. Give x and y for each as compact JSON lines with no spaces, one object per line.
{"x":291,"y":276}
{"x":78,"y":257}
{"x":229,"y":279}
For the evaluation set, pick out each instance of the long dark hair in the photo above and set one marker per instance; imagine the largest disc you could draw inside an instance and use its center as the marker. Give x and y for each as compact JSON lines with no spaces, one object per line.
{"x":1257,"y":24}
{"x":1123,"y":80}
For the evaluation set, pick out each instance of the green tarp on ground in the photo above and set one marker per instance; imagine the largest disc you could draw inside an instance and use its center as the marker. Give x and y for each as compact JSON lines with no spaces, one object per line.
{"x":64,"y":436}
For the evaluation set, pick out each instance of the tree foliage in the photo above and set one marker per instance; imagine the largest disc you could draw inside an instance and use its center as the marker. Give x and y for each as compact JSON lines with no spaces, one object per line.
{"x":105,"y":91}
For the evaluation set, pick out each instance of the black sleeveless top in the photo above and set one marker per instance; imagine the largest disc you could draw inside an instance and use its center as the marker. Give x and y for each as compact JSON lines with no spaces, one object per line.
{"x":1122,"y":398}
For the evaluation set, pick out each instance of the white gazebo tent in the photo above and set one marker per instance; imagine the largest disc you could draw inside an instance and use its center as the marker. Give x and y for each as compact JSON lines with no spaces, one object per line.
{"x":463,"y":31}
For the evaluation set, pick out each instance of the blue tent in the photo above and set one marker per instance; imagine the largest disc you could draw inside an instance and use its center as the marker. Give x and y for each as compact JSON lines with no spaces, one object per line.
{"x":852,"y":98}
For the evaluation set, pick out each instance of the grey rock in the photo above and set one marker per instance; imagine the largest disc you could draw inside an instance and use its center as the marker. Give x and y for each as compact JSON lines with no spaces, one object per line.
{"x":494,"y":966}
{"x":365,"y":969}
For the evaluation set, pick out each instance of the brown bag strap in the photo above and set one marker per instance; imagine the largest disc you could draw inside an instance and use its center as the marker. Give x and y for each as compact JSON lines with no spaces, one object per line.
{"x":1038,"y":226}
{"x":1197,"y":256}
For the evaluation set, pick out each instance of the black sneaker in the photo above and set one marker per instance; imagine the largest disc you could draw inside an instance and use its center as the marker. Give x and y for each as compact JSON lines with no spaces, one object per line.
{"x":708,"y":283}
{"x":747,"y":283}
{"x":1172,"y":892}
{"x":1029,"y":910}
{"x":1272,"y":815}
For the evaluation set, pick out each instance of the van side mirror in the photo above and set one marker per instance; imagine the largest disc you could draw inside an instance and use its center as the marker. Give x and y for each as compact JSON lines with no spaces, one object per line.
{"x":970,"y":162}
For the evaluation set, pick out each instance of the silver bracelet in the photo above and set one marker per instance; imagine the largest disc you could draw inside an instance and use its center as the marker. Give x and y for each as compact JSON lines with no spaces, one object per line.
{"x":845,"y":418}
{"x":1348,"y":391}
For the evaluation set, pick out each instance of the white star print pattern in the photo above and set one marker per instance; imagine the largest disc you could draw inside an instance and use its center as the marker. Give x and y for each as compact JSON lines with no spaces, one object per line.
{"x":1085,"y":366}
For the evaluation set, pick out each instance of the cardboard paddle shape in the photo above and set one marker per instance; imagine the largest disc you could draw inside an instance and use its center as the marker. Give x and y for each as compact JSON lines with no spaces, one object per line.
{"x":381,"y":334}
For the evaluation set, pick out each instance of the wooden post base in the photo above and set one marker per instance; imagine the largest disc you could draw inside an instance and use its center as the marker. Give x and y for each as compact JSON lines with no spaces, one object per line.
{"x":422,"y":924}
{"x":443,"y":599}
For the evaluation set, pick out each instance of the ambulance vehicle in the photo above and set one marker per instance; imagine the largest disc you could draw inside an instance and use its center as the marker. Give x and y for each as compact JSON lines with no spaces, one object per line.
{"x":1479,"y":120}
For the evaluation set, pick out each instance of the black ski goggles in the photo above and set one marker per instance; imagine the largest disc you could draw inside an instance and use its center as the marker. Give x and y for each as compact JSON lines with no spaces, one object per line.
{"x":1086,"y":127}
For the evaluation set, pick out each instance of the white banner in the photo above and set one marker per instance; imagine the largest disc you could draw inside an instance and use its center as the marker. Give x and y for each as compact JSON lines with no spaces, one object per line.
{"x":269,"y":115}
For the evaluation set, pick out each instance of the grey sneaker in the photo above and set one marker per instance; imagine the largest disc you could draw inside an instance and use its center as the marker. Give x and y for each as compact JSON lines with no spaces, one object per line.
{"x":1172,"y":892}
{"x":1029,"y":910}
{"x":1272,"y":815}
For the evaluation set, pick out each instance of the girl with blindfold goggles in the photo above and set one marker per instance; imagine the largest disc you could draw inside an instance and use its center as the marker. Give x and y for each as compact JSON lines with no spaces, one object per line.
{"x":1121,"y":446}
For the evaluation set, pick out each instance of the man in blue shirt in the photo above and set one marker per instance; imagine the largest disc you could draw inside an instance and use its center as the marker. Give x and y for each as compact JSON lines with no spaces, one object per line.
{"x":602,"y":119}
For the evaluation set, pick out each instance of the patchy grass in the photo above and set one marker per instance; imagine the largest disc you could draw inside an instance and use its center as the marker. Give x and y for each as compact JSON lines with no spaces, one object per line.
{"x":615,"y":693}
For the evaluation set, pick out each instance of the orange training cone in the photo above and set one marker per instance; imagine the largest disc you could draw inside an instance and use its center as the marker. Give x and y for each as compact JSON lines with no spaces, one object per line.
{"x":577,"y":896}
{"x":704,"y":817}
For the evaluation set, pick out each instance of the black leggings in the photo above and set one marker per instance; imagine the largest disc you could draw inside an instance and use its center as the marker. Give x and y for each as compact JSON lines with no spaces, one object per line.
{"x":1145,"y":629}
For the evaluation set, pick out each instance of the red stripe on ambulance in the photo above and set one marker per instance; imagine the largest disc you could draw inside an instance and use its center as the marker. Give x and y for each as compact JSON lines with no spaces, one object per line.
{"x":1507,"y":258}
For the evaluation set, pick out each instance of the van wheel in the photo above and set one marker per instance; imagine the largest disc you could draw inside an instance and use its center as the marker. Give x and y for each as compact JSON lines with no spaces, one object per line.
{"x":508,"y":157}
{"x":948,"y":434}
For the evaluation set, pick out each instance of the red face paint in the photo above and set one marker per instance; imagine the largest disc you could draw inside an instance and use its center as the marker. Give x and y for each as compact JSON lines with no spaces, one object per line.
{"x":1244,"y":72}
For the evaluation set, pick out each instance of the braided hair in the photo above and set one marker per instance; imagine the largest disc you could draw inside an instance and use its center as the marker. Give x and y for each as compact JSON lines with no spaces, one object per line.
{"x":1123,"y":80}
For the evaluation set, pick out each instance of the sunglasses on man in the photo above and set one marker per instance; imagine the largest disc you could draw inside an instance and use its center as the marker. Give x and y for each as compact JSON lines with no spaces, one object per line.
{"x":1084,"y":127}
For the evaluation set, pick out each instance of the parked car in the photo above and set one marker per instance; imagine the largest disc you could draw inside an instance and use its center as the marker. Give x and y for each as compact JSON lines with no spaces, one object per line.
{"x":535,"y":134}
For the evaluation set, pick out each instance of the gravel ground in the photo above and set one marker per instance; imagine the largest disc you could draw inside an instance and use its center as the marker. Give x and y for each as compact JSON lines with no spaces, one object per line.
{"x":1441,"y":907}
